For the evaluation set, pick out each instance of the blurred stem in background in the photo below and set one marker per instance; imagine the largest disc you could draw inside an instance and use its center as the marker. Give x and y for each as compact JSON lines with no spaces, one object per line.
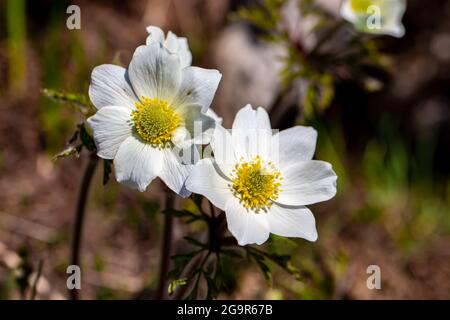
{"x":34,"y":288}
{"x":80,"y":214}
{"x":166,"y":245}
{"x":16,"y":33}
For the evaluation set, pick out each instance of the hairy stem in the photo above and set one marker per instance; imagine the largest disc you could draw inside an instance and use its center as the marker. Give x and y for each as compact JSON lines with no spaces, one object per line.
{"x":166,"y":246}
{"x":80,"y":213}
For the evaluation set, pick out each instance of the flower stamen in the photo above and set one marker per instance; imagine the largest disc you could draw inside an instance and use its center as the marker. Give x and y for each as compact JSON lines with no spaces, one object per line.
{"x":155,"y":121}
{"x":256,"y":184}
{"x":361,"y":6}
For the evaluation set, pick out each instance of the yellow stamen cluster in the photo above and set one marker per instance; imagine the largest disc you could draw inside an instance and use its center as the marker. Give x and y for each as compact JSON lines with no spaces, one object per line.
{"x":361,"y":6}
{"x":155,"y":121}
{"x":256,"y":184}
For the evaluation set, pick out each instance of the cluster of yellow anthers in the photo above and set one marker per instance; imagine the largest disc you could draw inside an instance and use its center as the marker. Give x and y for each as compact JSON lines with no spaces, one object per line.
{"x":361,"y":6}
{"x":256,"y":183}
{"x":155,"y":121}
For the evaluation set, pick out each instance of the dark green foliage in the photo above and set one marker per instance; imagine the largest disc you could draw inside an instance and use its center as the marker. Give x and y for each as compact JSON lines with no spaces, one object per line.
{"x":214,"y":263}
{"x":319,"y":67}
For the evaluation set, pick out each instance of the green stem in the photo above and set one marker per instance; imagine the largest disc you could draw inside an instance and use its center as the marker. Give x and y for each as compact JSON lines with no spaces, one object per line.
{"x":80,"y":213}
{"x":166,"y":246}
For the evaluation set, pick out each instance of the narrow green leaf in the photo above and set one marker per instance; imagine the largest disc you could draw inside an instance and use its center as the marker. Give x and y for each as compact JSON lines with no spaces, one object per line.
{"x":231,"y":253}
{"x":195,"y":242}
{"x":184,"y":214}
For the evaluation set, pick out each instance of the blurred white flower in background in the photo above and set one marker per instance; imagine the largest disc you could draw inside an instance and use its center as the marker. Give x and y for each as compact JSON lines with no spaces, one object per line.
{"x":375,"y":16}
{"x":150,"y":113}
{"x":263,"y":180}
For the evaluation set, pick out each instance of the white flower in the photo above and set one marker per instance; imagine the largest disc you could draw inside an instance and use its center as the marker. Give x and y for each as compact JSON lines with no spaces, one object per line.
{"x":180,"y":46}
{"x":375,"y":16}
{"x":145,"y":110}
{"x":174,"y":44}
{"x":263,"y":180}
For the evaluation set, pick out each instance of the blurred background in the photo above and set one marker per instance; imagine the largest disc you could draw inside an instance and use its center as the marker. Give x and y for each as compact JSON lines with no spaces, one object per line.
{"x":388,"y":138}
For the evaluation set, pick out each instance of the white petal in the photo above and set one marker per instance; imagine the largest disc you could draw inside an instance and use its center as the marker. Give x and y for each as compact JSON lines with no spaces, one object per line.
{"x":249,"y":118}
{"x":306,"y":183}
{"x":184,"y":52}
{"x":252,"y":133}
{"x":223,"y":149}
{"x":155,"y":72}
{"x":397,"y":30}
{"x":110,"y":86}
{"x":205,"y":180}
{"x":181,"y":137}
{"x":208,"y":134}
{"x":393,"y":14}
{"x":155,"y":35}
{"x":177,"y":45}
{"x":171,"y":42}
{"x":396,"y":27}
{"x":198,"y":87}
{"x":110,"y":126}
{"x":174,"y":173}
{"x":246,"y":226}
{"x":293,"y":145}
{"x":347,"y":12}
{"x":211,"y":113}
{"x":292,"y":222}
{"x":137,"y":163}
{"x":197,"y":123}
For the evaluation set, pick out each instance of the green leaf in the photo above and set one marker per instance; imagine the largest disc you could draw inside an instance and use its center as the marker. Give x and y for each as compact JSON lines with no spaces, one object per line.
{"x":173,"y":285}
{"x":179,"y":263}
{"x":195,"y":242}
{"x":213,"y":287}
{"x":193,"y":294}
{"x":282,"y":260}
{"x":294,"y":271}
{"x":266,"y":271}
{"x":68,"y":152}
{"x":80,"y":101}
{"x":79,"y":140}
{"x":259,"y":259}
{"x":264,"y":15}
{"x":197,"y":199}
{"x":184,"y":214}
{"x":231,"y":253}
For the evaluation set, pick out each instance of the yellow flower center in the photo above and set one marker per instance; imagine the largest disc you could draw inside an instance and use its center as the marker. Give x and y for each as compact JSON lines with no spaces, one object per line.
{"x":155,"y":121}
{"x":256,"y":184}
{"x":361,"y":6}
